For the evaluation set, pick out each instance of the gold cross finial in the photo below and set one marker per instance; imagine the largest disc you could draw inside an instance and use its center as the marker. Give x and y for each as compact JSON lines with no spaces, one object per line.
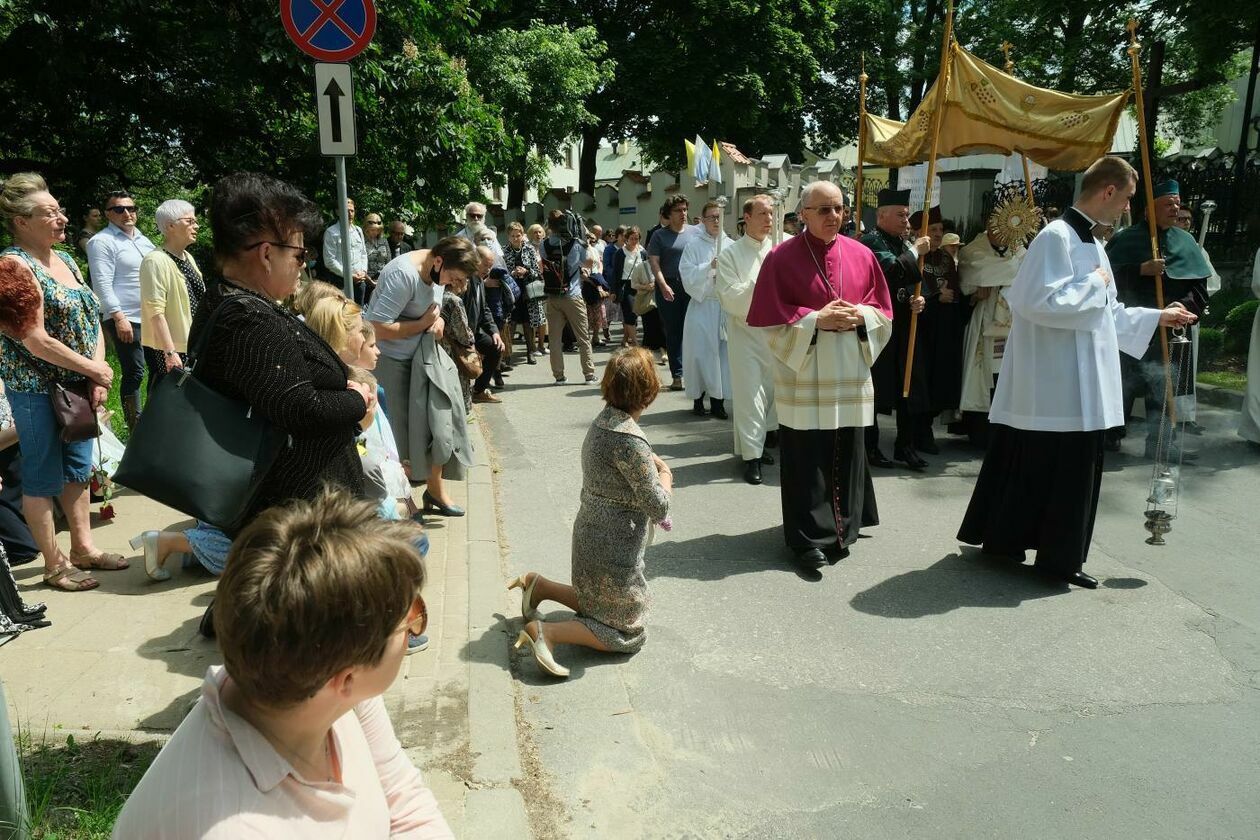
{"x":1006,"y":51}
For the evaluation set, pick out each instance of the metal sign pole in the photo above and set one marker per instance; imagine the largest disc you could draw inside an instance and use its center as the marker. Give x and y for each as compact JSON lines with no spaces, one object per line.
{"x":343,"y":215}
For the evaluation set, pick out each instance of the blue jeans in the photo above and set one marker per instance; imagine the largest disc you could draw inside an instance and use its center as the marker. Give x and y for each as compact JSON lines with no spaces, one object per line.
{"x":130,"y":358}
{"x":673,"y":316}
{"x":48,"y":465}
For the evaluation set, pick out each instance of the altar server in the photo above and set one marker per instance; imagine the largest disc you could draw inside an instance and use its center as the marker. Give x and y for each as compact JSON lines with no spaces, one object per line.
{"x":825,"y":301}
{"x":1249,"y":423}
{"x":752,"y":364}
{"x":1059,"y":387}
{"x":704,"y":333}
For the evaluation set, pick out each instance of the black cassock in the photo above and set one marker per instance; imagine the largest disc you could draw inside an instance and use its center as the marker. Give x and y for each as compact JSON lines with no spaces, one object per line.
{"x":900,"y":264}
{"x":942,"y":330}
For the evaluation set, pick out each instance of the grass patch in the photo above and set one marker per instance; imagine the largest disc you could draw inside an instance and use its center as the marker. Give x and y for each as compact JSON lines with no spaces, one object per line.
{"x":75,"y":790}
{"x":1233,"y":380}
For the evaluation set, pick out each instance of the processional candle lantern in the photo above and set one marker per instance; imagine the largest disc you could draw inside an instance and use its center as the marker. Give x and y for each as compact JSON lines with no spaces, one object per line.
{"x":1161,"y":503}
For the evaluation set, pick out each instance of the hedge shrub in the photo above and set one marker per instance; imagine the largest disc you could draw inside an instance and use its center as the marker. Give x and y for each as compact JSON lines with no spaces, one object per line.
{"x":1238,"y":327}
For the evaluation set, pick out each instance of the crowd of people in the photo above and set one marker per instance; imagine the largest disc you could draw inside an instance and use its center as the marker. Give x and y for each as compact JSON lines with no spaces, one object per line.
{"x":807,"y":332}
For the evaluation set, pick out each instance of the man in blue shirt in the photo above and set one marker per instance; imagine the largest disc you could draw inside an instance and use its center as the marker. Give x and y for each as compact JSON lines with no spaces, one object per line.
{"x":114,"y":257}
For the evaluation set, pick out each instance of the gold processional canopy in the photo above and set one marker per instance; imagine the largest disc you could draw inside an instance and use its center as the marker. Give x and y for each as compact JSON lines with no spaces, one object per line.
{"x":990,"y":112}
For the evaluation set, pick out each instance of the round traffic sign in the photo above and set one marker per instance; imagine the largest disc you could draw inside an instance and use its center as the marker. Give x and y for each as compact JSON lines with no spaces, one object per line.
{"x":329,"y":30}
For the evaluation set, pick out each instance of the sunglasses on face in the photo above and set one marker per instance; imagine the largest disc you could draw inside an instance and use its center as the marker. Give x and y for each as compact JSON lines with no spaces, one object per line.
{"x":476,"y":215}
{"x":417,"y":617}
{"x":301,"y":255}
{"x":122,"y":208}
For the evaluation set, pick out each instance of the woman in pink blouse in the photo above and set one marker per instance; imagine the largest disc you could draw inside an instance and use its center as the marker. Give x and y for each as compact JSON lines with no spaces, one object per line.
{"x":290,"y":738}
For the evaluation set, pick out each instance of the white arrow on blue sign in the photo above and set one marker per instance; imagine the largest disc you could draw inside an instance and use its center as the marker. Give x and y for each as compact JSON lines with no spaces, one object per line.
{"x":334,"y":99}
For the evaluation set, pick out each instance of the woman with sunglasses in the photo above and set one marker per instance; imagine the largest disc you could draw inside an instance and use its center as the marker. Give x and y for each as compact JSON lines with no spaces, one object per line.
{"x":261,"y":354}
{"x":290,"y":737}
{"x":61,"y":343}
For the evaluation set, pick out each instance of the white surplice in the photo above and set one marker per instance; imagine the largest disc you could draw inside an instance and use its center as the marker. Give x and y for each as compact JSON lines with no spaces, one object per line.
{"x":704,"y":357}
{"x":981,"y":267}
{"x":1249,"y":425}
{"x":1061,"y":368}
{"x":748,"y":348}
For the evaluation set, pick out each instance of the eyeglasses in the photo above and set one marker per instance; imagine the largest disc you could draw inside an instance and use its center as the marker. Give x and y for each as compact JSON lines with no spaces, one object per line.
{"x":300,"y":256}
{"x":476,"y":215}
{"x":372,"y":223}
{"x":417,"y":617}
{"x":711,"y":218}
{"x":49,"y":213}
{"x":121,"y":208}
{"x":827,"y":209}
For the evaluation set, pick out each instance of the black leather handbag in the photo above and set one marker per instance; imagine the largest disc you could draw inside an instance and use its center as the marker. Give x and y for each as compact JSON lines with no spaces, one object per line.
{"x":196,"y":450}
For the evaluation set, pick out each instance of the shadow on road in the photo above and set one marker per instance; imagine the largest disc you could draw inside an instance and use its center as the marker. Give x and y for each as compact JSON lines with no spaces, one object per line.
{"x":494,"y":646}
{"x":719,"y":556}
{"x":955,"y":581}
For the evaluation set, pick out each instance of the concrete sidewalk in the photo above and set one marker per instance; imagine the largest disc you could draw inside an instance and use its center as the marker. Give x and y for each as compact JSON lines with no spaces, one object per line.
{"x":126,"y":661}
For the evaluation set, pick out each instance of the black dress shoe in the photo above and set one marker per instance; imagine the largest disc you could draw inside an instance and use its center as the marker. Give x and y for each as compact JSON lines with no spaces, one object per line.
{"x":772,"y":439}
{"x":752,"y":471}
{"x":1111,"y":443}
{"x":810,"y":558}
{"x":697,"y":407}
{"x":767,"y":459}
{"x":1082,"y":580}
{"x":1194,"y":428}
{"x":718,"y":409}
{"x":432,"y":505}
{"x":909,"y":457}
{"x":835,"y":554}
{"x":876,"y":458}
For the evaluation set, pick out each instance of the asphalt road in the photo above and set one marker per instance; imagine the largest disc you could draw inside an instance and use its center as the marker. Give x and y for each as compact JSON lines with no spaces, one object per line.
{"x":916,"y":690}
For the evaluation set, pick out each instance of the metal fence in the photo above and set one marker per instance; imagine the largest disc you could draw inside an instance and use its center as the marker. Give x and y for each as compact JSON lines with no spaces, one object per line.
{"x":1234,"y":229}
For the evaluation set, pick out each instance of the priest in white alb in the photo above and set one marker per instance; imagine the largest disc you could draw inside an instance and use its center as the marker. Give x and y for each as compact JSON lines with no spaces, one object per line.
{"x":704,"y":333}
{"x":1059,"y":387}
{"x":987,"y":266}
{"x":824,"y":302}
{"x":752,"y":364}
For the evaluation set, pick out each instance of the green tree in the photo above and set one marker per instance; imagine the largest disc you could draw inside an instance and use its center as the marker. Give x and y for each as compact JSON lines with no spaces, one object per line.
{"x":542,"y":77}
{"x":164,"y":94}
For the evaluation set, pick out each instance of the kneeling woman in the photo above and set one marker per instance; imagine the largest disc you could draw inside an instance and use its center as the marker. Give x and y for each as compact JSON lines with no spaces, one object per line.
{"x":626,"y":489}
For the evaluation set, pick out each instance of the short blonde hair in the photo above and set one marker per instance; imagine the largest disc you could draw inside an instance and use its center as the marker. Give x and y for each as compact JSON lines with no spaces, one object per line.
{"x":312,"y":588}
{"x":15,"y":195}
{"x":536,"y":228}
{"x":512,"y":226}
{"x":630,"y":382}
{"x":361,"y":376}
{"x":311,"y":293}
{"x":333,"y":320}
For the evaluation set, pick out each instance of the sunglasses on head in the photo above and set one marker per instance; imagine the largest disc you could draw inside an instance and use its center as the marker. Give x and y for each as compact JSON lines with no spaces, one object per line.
{"x":122,"y":208}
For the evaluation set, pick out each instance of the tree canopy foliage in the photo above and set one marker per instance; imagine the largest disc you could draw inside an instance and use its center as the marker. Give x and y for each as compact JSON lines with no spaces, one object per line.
{"x":451,"y":96}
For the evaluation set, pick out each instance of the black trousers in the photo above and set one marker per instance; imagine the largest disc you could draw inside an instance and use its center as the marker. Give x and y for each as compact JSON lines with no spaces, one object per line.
{"x":490,"y":357}
{"x":825,"y":488}
{"x":912,"y":429}
{"x":130,"y":357}
{"x":1037,"y":490}
{"x":673,"y":315}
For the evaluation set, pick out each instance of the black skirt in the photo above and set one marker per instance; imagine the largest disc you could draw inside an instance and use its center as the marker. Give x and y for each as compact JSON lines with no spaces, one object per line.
{"x":1039,"y":491}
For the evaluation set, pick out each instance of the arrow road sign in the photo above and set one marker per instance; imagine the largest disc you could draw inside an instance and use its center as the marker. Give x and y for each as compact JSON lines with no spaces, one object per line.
{"x":334,"y":100}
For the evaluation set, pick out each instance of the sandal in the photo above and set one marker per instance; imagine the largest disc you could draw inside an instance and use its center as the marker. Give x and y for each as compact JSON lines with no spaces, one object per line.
{"x":70,"y":578}
{"x":105,"y":561}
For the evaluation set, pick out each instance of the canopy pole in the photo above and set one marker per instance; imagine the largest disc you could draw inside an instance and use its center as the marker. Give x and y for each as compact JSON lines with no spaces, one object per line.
{"x":942,"y":99}
{"x":1009,"y":67}
{"x":861,"y":150}
{"x":1134,"y":50}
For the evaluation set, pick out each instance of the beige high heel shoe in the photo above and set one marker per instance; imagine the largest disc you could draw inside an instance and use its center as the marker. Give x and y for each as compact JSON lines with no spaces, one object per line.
{"x":542,"y":653}
{"x":529,"y":613}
